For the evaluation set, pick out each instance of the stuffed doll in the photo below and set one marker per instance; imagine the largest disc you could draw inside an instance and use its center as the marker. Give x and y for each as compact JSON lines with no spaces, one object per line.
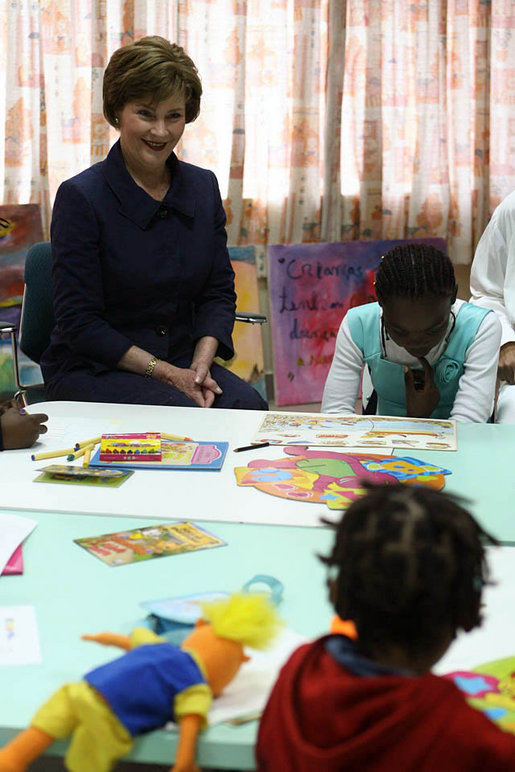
{"x":152,"y":683}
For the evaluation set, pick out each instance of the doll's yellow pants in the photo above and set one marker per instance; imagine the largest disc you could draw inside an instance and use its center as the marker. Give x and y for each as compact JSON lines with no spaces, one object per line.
{"x":98,"y":738}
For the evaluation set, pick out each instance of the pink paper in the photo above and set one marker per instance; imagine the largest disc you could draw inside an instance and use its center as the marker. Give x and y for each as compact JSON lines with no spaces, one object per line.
{"x":15,"y":563}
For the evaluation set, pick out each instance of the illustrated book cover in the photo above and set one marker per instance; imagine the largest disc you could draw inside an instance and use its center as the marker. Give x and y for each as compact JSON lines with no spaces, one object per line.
{"x":83,"y":475}
{"x":154,"y":541}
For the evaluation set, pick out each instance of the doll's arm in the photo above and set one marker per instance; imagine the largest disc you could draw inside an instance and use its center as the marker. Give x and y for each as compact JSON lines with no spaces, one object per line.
{"x":189,"y":728}
{"x":110,"y":639}
{"x":138,"y":637}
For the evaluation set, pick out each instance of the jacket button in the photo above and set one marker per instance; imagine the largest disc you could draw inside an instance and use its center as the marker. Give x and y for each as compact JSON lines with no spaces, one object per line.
{"x":162,"y":330}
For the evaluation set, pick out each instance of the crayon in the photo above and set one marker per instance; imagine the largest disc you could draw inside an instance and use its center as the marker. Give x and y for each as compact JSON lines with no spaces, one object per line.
{"x":83,"y":443}
{"x":52,"y":454}
{"x":78,"y":453}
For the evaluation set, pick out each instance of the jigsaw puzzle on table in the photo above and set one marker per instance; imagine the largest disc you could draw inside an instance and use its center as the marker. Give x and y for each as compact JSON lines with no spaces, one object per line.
{"x":333,"y":478}
{"x":491,"y":689}
{"x":357,"y":430}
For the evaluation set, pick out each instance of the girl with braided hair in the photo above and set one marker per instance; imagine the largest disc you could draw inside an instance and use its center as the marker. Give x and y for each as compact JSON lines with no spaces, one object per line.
{"x":429,"y":355}
{"x":408,"y":568}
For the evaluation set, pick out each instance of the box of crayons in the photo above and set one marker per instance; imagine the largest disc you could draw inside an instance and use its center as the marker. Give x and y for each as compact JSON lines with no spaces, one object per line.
{"x":121,"y":448}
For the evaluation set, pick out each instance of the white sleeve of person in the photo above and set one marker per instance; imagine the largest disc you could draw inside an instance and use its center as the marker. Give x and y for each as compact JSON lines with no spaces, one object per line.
{"x":342,"y":385}
{"x":476,"y":391}
{"x":492,"y":276}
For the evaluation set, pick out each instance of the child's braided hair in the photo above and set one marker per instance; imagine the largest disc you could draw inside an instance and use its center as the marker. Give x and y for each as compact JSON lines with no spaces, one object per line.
{"x":413,"y":270}
{"x":409,"y":561}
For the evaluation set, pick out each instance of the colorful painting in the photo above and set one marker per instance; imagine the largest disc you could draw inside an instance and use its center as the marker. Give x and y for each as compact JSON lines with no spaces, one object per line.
{"x":20,"y":227}
{"x":333,"y":478}
{"x":350,"y":431}
{"x":312,"y":286}
{"x":248,"y":360}
{"x":491,"y":689}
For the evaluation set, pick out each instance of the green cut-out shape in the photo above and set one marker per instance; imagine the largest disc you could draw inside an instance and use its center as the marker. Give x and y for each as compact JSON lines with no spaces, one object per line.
{"x":330,"y":467}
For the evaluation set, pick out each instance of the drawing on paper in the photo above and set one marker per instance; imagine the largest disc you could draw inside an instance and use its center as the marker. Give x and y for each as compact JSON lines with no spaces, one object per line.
{"x":357,"y":431}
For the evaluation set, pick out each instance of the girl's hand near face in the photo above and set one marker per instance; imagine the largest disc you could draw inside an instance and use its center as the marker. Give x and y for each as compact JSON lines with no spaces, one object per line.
{"x":422,"y":396}
{"x":506,"y":370}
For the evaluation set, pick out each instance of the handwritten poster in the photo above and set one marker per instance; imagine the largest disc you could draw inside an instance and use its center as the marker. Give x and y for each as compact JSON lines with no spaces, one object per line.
{"x":312,"y":286}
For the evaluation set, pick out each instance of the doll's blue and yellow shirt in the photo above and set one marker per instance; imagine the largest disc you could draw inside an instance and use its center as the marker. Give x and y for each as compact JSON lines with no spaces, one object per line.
{"x":152,"y":684}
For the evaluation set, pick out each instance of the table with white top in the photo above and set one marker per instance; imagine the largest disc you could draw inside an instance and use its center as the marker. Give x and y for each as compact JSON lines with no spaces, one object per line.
{"x":482,"y":470}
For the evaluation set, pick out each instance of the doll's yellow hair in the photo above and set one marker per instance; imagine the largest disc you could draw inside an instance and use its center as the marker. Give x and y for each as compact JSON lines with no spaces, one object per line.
{"x":248,"y":618}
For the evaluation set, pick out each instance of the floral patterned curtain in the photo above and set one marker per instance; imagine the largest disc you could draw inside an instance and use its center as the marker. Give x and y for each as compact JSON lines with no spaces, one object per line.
{"x":323,"y":119}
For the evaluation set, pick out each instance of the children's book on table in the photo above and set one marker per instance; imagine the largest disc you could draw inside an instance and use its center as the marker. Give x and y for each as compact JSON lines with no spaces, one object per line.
{"x":151,"y":451}
{"x":153,"y":541}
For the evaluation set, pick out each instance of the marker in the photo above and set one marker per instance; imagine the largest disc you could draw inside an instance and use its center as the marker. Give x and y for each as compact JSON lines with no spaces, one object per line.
{"x":20,"y":403}
{"x":87,"y":456}
{"x":252,"y":447}
{"x":78,"y":453}
{"x":165,"y":436}
{"x":92,"y":441}
{"x":52,"y":454}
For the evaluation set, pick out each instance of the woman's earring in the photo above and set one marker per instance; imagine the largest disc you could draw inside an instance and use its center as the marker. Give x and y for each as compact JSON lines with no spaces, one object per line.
{"x":116,"y":121}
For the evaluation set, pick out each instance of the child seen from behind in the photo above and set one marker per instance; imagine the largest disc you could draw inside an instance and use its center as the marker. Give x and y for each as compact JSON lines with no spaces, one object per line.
{"x":407,"y":567}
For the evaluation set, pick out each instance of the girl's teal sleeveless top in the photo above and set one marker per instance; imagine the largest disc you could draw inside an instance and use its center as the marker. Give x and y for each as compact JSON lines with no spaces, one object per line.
{"x":388,"y":377}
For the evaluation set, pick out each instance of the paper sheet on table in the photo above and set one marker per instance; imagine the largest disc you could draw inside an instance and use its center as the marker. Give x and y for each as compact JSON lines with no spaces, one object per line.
{"x":19,"y":639}
{"x":351,"y":430}
{"x":13,"y":530}
{"x":249,"y":691}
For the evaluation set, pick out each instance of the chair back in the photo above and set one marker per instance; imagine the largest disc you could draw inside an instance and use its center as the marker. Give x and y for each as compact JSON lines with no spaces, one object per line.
{"x":37,"y":313}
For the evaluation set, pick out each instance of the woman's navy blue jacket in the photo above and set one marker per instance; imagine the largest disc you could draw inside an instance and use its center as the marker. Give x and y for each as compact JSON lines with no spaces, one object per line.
{"x":130,"y":270}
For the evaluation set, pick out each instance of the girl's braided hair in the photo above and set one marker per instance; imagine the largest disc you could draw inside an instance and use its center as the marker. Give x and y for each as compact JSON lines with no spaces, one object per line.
{"x":413,"y":270}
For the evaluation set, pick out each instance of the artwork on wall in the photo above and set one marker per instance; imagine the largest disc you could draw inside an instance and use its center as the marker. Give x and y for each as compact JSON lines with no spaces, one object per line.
{"x":20,"y":227}
{"x":311,"y":287}
{"x":334,"y":478}
{"x":248,"y":360}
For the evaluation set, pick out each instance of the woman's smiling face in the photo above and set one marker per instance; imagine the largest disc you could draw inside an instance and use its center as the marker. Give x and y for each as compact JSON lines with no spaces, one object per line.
{"x":417,"y":324}
{"x":149,"y":131}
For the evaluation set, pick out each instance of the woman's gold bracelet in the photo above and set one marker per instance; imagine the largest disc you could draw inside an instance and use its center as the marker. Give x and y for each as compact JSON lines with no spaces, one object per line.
{"x":150,"y":367}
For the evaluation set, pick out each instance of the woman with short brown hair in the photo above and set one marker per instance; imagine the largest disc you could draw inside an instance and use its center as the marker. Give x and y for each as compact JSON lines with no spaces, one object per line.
{"x":143,"y":287}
